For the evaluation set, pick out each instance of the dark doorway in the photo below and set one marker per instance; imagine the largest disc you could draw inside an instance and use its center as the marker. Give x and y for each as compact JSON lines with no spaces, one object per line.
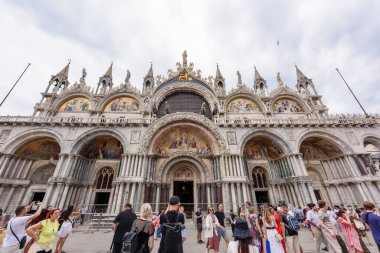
{"x":101,"y":202}
{"x":318,"y":194}
{"x":37,"y":197}
{"x":185,"y":191}
{"x":262,"y":197}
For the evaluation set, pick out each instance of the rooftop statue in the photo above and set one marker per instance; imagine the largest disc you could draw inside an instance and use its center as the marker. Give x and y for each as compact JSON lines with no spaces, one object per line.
{"x":184,"y":58}
{"x":279,"y":81}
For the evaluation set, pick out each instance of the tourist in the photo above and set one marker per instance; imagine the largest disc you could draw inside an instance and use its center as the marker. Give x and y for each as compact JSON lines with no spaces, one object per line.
{"x":231,"y":219}
{"x":171,"y":216}
{"x":83,"y":212}
{"x":243,"y":237}
{"x":298,"y":213}
{"x":17,"y":225}
{"x":254,"y":228}
{"x":122,"y":224}
{"x":360,"y":228}
{"x":222,"y":232}
{"x":146,"y":242}
{"x":212,"y":234}
{"x":280,"y":226}
{"x":66,"y":227}
{"x":198,"y":217}
{"x":183,"y":231}
{"x":159,"y":228}
{"x":372,"y":220}
{"x":328,"y":228}
{"x":47,"y":233}
{"x":315,"y":226}
{"x":270,"y":233}
{"x":349,"y":232}
{"x":292,"y":240}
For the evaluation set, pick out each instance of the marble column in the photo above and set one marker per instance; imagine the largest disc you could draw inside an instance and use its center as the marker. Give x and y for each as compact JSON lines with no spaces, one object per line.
{"x":8,"y":199}
{"x":367,"y":193}
{"x":306,"y":194}
{"x":364,"y":197}
{"x":233,"y":195}
{"x":64,"y":196}
{"x":158,"y":199}
{"x":139,"y":195}
{"x":208,"y":195}
{"x":299,"y":199}
{"x":239,"y":199}
{"x":245,"y":195}
{"x":57,"y":191}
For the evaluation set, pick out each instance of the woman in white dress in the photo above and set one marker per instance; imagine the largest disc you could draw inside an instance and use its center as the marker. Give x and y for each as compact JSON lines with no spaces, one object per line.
{"x":67,"y":224}
{"x":211,"y":233}
{"x":269,"y":226}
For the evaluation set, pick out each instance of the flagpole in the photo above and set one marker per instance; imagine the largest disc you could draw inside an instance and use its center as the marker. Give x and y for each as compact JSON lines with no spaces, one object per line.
{"x":15,"y":84}
{"x":357,"y":100}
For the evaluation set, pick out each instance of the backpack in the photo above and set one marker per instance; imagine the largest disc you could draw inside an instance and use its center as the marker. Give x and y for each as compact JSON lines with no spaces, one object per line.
{"x":136,"y":240}
{"x":293,"y":223}
{"x":172,"y":239}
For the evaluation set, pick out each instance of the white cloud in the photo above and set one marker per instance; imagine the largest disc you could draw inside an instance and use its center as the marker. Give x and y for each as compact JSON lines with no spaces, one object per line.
{"x":316,"y":35}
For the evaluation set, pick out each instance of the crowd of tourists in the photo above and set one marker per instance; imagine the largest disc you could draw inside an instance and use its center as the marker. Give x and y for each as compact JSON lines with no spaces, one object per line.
{"x":270,"y":229}
{"x":47,"y":228}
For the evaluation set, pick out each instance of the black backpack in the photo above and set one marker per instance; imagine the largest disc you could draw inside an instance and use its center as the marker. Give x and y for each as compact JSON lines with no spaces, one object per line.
{"x":172,"y":239}
{"x":135,"y":241}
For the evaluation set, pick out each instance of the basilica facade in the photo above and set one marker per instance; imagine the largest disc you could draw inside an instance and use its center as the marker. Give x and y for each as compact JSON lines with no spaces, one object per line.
{"x":184,"y":134}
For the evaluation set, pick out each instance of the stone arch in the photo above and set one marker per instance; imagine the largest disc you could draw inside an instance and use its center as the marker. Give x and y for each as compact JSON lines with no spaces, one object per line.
{"x":305,"y":108}
{"x":191,"y":118}
{"x":200,"y":168}
{"x":336,"y":140}
{"x":285,"y":148}
{"x":371,"y":139}
{"x":14,"y":143}
{"x":87,"y":136}
{"x":254,"y":98}
{"x":208,"y":95}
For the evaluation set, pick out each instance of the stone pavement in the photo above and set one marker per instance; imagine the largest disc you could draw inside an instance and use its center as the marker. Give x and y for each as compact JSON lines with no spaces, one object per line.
{"x":99,"y":242}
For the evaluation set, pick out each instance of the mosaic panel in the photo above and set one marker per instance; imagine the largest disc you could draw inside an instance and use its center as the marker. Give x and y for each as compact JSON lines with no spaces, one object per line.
{"x":242,"y":105}
{"x":286,"y":106}
{"x":123,"y":104}
{"x":78,"y":104}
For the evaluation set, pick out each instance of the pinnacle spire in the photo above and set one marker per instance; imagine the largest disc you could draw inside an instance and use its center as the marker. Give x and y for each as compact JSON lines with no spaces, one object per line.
{"x":260,"y":85}
{"x":109,"y":71}
{"x":65,"y":71}
{"x":218,"y":74}
{"x":258,"y":77}
{"x":150,"y":72}
{"x":300,"y":75}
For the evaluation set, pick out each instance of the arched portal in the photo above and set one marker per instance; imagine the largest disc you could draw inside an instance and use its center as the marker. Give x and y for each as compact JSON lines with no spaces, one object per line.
{"x":260,"y":185}
{"x":372,"y":146}
{"x":103,"y":186}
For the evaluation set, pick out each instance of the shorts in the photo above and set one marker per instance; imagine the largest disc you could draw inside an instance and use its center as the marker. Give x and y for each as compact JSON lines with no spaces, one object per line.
{"x":183,"y":233}
{"x":199,"y":227}
{"x":222,"y":233}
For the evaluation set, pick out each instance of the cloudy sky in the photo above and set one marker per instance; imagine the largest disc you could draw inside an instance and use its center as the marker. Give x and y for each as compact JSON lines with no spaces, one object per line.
{"x":317,"y":35}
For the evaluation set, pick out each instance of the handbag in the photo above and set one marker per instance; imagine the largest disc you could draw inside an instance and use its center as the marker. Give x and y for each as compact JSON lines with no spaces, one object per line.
{"x":359,"y":225}
{"x":278,"y":237}
{"x":23,"y":239}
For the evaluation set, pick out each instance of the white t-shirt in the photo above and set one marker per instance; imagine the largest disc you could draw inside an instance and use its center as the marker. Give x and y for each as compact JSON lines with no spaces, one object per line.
{"x":18,"y":227}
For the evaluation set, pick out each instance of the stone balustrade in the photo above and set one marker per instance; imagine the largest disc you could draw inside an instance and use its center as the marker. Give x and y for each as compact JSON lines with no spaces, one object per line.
{"x":332,"y":121}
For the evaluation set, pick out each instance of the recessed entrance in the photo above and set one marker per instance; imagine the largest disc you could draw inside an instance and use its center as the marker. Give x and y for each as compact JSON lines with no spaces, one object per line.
{"x":262,"y":197}
{"x":185,"y":191}
{"x":101,"y":201}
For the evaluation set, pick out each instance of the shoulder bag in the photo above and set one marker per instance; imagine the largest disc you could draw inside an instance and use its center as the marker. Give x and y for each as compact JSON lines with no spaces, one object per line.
{"x":23,"y":239}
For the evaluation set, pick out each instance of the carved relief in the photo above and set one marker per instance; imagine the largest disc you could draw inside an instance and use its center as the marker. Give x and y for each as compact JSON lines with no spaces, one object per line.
{"x":231,"y":138}
{"x":4,"y":135}
{"x":135,"y":137}
{"x":352,"y":138}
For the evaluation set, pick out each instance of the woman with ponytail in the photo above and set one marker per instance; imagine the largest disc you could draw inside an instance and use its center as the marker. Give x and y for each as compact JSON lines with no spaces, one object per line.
{"x":243,"y":238}
{"x":66,"y":223}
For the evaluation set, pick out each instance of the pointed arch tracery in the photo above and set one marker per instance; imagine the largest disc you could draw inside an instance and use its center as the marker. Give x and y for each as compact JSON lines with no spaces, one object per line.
{"x":104,"y":178}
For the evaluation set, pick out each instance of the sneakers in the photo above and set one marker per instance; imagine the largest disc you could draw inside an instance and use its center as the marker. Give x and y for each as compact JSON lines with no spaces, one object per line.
{"x":200,"y":242}
{"x":325,"y":249}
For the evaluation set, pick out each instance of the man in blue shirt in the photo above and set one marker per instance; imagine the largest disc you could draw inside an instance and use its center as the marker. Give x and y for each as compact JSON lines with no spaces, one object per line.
{"x":373,"y":220}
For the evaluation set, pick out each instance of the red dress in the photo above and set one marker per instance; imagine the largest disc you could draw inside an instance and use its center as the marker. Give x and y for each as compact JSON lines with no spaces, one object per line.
{"x":279,"y":230}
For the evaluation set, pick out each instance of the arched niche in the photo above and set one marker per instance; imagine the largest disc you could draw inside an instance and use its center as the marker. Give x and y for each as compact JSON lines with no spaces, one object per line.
{"x":122,"y":104}
{"x":184,"y":138}
{"x":183,"y":102}
{"x":242,"y":105}
{"x":102,"y":147}
{"x":43,"y":148}
{"x":76,"y":104}
{"x":42,"y":174}
{"x":316,"y":148}
{"x":287,"y":105}
{"x":261,"y":147}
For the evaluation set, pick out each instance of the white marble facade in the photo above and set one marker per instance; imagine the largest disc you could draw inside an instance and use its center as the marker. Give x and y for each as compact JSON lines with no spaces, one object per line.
{"x":110,"y":145}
